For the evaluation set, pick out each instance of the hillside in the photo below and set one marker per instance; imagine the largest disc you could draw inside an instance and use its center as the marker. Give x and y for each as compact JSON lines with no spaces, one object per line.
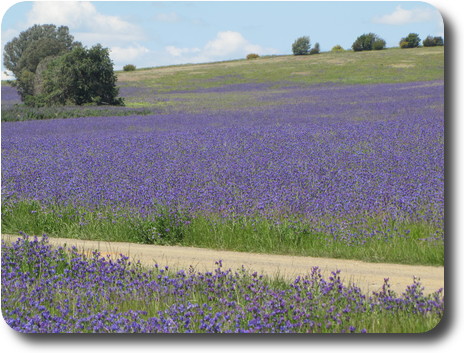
{"x":228,"y":84}
{"x":387,"y":66}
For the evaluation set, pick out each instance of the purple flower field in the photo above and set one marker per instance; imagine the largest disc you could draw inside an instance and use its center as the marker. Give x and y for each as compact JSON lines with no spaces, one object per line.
{"x":10,"y":96}
{"x":47,"y":290}
{"x":339,"y":158}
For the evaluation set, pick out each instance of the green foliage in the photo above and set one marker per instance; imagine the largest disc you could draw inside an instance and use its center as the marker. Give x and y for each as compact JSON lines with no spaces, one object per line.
{"x":81,"y":76}
{"x":369,"y":41}
{"x":50,"y":68}
{"x":301,"y":46}
{"x":337,"y":48}
{"x":129,"y":67}
{"x":23,"y":54}
{"x":378,"y":44}
{"x":252,"y":56}
{"x":432,"y":41}
{"x":37,"y":110}
{"x":253,"y":234}
{"x":411,"y":41}
{"x":315,"y":50}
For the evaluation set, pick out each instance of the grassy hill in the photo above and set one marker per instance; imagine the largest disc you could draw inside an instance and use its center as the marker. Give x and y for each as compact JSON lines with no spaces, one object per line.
{"x":386,"y":66}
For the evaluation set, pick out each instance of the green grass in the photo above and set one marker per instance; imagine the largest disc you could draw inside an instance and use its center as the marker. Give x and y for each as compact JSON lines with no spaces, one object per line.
{"x":348,"y":67}
{"x":257,"y":234}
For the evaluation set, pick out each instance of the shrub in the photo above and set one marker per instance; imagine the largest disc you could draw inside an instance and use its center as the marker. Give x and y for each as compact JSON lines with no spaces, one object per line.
{"x":368,"y":41}
{"x":411,"y":41}
{"x":432,"y":41}
{"x":337,"y":48}
{"x":129,"y":67}
{"x":404,"y":44}
{"x":378,"y":44}
{"x":80,"y":77}
{"x":252,"y":56}
{"x":301,"y":46}
{"x":315,"y":50}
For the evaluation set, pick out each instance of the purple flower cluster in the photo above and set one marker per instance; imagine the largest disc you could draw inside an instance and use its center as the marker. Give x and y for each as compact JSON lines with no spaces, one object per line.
{"x":58,"y":290}
{"x":10,"y":96}
{"x":337,"y":157}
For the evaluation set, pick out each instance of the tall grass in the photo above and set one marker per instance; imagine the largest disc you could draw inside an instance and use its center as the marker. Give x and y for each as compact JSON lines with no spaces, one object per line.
{"x":247,"y":234}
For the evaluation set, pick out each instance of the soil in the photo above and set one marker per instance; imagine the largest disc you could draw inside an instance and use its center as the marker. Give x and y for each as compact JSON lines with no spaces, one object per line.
{"x":368,"y":276}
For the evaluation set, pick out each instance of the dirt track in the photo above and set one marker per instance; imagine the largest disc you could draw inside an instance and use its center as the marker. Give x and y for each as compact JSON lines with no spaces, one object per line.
{"x":368,"y":276}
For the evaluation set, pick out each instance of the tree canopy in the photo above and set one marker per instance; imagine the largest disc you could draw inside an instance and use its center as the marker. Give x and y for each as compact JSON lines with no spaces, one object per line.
{"x":51,"y":68}
{"x":369,"y":41}
{"x":301,"y":46}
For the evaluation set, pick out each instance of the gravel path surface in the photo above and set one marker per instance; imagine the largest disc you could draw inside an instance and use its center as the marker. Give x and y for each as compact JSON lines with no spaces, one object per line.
{"x":368,"y":276}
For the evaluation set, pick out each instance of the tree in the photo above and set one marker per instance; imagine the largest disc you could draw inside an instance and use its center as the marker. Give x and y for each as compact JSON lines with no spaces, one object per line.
{"x":301,"y":46}
{"x":378,"y":44}
{"x":23,"y":54}
{"x":79,"y":77}
{"x":315,"y":50}
{"x":337,"y":48}
{"x":432,"y":41}
{"x":411,"y":41}
{"x":368,"y":41}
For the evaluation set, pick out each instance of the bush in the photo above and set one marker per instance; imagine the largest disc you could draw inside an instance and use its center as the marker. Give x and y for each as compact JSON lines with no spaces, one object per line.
{"x":368,"y":41}
{"x":378,"y":44}
{"x":404,"y":44}
{"x":337,"y":48}
{"x":79,"y":77}
{"x":252,"y":56}
{"x":432,"y":41}
{"x":129,"y":67}
{"x":315,"y":50}
{"x":301,"y":46}
{"x":411,"y":41}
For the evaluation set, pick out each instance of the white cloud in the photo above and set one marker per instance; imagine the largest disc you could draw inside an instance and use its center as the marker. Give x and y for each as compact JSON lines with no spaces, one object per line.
{"x":84,"y":21}
{"x":402,"y":16}
{"x":127,"y":54}
{"x":174,"y":51}
{"x":226,"y":45}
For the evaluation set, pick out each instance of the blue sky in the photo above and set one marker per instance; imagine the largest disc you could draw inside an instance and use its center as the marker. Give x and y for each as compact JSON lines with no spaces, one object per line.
{"x":149,"y":34}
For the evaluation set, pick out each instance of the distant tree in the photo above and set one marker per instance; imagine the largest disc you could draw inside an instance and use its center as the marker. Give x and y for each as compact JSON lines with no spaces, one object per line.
{"x":315,"y":50}
{"x":252,"y":56}
{"x":337,"y":48}
{"x":411,"y":41}
{"x":80,"y":76}
{"x":301,"y":46}
{"x":129,"y":67}
{"x":378,"y":44}
{"x":23,"y":54}
{"x":368,"y":41}
{"x":432,"y":41}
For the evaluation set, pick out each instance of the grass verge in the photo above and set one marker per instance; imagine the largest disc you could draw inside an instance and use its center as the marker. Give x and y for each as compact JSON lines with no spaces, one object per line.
{"x":257,"y":234}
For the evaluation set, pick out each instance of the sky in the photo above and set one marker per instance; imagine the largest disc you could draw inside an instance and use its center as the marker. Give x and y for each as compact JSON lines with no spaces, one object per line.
{"x":159,"y":33}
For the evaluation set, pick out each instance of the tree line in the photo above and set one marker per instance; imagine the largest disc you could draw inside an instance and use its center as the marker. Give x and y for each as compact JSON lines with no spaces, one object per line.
{"x":51,"y":68}
{"x":367,"y":41}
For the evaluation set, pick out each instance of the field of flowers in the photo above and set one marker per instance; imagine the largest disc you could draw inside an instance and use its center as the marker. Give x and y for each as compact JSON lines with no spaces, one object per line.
{"x":47,"y":290}
{"x":312,"y":166}
{"x":338,"y":155}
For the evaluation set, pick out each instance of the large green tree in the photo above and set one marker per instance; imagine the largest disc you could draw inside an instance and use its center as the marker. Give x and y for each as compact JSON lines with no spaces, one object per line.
{"x":79,"y":77}
{"x":23,"y":54}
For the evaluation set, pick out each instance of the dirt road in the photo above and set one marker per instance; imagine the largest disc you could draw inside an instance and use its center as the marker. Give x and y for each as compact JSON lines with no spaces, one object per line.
{"x":368,"y":276}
